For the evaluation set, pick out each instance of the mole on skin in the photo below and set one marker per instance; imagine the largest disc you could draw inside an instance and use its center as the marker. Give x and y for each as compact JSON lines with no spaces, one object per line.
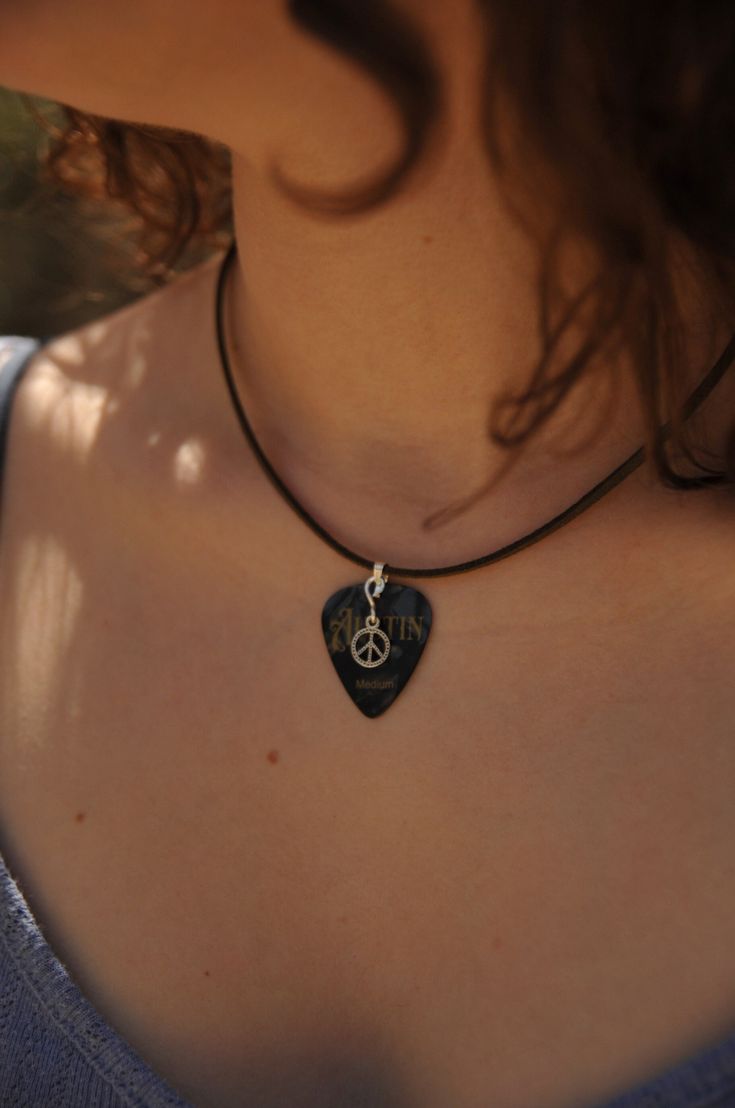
{"x":272,"y":756}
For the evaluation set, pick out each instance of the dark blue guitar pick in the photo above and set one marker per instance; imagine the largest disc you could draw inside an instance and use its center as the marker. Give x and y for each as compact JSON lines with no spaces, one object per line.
{"x":404,"y":616}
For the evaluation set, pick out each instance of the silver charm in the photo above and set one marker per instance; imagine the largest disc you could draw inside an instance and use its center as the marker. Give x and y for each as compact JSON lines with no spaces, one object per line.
{"x":374,"y":645}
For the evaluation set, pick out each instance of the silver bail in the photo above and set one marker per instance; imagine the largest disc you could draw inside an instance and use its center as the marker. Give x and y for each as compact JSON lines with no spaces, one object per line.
{"x":378,"y":581}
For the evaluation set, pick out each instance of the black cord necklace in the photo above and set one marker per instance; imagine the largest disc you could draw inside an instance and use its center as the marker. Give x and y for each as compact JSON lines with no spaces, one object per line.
{"x":352,"y":630}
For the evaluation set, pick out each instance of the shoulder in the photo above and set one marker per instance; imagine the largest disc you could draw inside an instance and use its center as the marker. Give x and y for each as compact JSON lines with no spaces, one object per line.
{"x":108,"y":417}
{"x":84,"y":377}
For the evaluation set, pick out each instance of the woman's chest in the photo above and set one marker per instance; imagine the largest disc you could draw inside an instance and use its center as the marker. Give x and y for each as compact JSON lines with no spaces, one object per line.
{"x":513,"y":888}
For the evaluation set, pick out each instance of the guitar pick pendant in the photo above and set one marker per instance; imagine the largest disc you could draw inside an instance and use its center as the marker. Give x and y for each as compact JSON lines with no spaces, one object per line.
{"x":374,"y":653}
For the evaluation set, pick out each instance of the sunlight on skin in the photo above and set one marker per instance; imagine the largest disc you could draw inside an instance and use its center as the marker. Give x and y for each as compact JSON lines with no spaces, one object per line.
{"x":48,"y":605}
{"x":97,"y":332}
{"x":70,"y":351}
{"x":135,"y":369}
{"x":189,"y":461}
{"x":50,"y":588}
{"x":72,"y":412}
{"x":72,"y":415}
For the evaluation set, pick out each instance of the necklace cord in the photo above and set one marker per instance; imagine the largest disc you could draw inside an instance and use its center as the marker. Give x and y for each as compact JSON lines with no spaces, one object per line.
{"x":626,"y":467}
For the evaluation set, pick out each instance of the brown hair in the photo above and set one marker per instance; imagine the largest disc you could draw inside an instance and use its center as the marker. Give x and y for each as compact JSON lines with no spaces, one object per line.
{"x":630,"y":106}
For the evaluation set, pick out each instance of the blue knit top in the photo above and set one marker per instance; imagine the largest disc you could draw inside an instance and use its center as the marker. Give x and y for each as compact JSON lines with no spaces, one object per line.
{"x":57,"y":1050}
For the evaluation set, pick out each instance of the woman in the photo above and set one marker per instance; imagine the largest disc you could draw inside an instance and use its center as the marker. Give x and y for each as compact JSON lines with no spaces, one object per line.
{"x":234,"y":875}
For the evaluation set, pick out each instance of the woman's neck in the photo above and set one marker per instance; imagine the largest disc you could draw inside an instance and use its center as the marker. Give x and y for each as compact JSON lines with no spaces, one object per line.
{"x":367,"y":349}
{"x":367,"y":352}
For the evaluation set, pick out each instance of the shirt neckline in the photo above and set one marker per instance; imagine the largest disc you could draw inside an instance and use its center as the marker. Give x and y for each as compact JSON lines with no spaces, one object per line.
{"x":73,"y":1015}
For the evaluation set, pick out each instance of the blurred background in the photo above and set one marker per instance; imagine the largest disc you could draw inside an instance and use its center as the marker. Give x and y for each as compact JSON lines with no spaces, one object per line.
{"x":63,"y":260}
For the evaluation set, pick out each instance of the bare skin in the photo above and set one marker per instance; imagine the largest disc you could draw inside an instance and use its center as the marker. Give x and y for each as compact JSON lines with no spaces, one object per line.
{"x":515,"y":887}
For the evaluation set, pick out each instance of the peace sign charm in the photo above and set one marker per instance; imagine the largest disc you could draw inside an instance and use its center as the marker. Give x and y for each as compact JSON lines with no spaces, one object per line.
{"x":372,"y":653}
